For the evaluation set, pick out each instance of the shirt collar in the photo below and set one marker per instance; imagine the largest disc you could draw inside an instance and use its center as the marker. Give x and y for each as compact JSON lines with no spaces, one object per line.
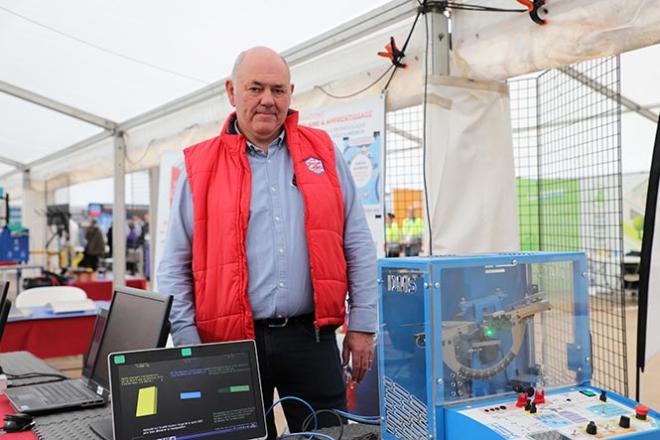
{"x":277,"y":142}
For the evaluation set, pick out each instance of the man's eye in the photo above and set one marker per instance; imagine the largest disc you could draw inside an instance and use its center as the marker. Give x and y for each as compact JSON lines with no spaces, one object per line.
{"x":254,"y":89}
{"x":278,"y":91}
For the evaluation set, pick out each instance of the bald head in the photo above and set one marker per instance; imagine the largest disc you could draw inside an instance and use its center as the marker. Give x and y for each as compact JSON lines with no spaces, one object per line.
{"x":259,"y":52}
{"x":260,"y":89}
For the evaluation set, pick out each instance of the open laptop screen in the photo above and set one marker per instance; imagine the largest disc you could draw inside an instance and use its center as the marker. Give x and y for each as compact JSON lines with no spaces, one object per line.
{"x":93,"y":350}
{"x":208,"y":391}
{"x":137,"y":320}
{"x":5,"y":306}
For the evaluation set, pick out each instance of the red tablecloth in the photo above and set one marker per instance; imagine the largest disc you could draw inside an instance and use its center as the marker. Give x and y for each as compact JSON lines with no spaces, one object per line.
{"x":102,"y":290}
{"x":46,"y":338}
{"x":6,"y":408}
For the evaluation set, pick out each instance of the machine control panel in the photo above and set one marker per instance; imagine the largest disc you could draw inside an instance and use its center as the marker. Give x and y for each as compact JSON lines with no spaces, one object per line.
{"x":580,"y":413}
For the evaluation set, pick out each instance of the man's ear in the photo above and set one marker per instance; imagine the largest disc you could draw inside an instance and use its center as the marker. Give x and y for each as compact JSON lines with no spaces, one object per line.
{"x":229,"y":87}
{"x":292,"y":87}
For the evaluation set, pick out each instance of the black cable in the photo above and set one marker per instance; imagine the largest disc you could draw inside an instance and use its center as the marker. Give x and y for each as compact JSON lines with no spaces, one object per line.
{"x":421,"y":10}
{"x":32,"y":375}
{"x":13,"y":385}
{"x":426,"y":92}
{"x":310,"y":417}
{"x":359,"y":91}
{"x":469,"y":7}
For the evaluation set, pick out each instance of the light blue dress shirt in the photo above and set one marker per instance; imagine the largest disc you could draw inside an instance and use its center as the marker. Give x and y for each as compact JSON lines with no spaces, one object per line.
{"x":279,"y":280}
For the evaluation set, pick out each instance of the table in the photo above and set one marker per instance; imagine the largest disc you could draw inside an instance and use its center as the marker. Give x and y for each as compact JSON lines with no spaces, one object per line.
{"x":47,"y":335}
{"x":20,"y":362}
{"x":101,"y":290}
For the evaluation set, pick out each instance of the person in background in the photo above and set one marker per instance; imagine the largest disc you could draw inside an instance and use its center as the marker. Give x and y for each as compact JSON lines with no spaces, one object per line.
{"x":413,"y":231}
{"x":277,"y":240}
{"x":392,"y":236}
{"x":95,"y":247}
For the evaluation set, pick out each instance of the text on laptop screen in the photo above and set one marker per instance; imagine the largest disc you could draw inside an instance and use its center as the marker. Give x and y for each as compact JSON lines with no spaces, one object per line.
{"x":136,"y":320}
{"x":188,"y":393}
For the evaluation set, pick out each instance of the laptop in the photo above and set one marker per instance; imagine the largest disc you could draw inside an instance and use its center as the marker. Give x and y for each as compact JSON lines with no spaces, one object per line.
{"x":5,"y":307}
{"x":210,"y":391}
{"x":136,"y":319}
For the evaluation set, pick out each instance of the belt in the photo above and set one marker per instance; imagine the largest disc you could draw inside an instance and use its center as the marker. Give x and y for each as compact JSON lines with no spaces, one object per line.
{"x":283,"y":322}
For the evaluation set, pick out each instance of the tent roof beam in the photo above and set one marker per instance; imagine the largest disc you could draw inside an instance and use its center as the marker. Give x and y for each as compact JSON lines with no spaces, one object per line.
{"x":609,"y":93}
{"x":57,"y":106}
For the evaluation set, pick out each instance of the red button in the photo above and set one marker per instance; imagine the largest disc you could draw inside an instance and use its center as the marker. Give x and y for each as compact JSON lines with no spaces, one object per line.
{"x":641,"y":411}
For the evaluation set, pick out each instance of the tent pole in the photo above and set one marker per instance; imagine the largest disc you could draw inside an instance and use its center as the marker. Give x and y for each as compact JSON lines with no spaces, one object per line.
{"x":119,"y":213}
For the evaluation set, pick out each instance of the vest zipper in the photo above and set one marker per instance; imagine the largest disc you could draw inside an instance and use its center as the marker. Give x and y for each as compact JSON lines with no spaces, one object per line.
{"x":317,"y":332}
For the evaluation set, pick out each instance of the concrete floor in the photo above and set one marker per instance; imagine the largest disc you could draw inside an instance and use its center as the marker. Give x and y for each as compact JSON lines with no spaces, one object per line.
{"x":650,"y":379}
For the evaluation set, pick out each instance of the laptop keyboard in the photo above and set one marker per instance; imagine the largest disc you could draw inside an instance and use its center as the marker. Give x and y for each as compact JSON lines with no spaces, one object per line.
{"x":64,"y":392}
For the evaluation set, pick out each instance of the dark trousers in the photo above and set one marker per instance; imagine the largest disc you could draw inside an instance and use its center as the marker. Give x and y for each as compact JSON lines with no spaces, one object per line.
{"x":91,"y":261}
{"x":291,"y":360}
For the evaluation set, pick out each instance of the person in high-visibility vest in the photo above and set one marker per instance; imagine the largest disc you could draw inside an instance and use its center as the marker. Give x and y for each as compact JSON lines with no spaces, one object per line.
{"x":412,"y":234}
{"x":392,"y":236}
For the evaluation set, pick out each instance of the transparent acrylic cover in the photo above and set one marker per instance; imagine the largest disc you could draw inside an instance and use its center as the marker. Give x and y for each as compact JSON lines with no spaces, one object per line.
{"x":508,"y":327}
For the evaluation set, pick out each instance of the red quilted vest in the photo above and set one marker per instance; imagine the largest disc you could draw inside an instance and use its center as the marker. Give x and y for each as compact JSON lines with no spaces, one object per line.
{"x":220,"y":181}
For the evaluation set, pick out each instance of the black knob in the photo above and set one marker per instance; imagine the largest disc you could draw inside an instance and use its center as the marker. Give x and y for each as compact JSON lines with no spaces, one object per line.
{"x":592,"y":428}
{"x":528,"y":405}
{"x":532,"y":408}
{"x":603,"y":396}
{"x":624,"y":422}
{"x":530,"y":391}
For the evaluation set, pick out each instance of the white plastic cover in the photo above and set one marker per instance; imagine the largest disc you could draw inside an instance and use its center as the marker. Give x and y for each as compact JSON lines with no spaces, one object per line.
{"x":470,"y":168}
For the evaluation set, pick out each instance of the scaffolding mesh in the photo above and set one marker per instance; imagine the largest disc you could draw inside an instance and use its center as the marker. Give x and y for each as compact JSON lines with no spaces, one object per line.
{"x":567,"y":145}
{"x":404,"y":176}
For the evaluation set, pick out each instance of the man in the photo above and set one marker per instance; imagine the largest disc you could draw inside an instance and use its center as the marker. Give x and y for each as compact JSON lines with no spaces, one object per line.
{"x":392,"y":236}
{"x":412,"y":233}
{"x":94,"y":248}
{"x":266,"y":236}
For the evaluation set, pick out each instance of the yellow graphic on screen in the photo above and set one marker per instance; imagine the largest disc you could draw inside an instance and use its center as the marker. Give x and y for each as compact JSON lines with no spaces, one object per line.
{"x":147,"y":402}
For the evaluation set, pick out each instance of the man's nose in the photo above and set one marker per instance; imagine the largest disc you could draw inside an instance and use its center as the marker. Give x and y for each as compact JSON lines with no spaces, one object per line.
{"x":267,"y":98}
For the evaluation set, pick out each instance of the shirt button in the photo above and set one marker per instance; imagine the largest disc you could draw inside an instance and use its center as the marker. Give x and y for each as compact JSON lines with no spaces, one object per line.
{"x":280,"y":284}
{"x":273,"y":188}
{"x":277,"y":218}
{"x":281,"y":250}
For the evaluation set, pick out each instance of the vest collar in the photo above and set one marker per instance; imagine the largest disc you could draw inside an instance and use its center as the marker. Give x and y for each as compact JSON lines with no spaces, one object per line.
{"x":237,"y":142}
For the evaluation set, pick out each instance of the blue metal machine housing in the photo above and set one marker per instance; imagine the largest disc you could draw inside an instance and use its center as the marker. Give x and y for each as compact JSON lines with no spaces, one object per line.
{"x":462,"y":332}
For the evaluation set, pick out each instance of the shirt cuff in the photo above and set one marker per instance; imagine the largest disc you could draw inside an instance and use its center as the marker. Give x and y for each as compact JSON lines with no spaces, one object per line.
{"x":362,"y":320}
{"x":186,"y":336}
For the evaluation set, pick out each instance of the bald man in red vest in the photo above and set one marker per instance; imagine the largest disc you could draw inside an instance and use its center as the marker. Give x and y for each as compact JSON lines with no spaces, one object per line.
{"x":267,"y":239}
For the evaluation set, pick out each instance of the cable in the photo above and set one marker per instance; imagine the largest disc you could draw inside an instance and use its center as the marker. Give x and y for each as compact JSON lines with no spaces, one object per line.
{"x":103,"y":49}
{"x":367,"y":420}
{"x":32,"y":375}
{"x":14,"y":385}
{"x":305,"y":423}
{"x":311,"y":434}
{"x":420,"y":11}
{"x":471,"y":7}
{"x":298,"y":399}
{"x":426,"y":92}
{"x":350,"y":95}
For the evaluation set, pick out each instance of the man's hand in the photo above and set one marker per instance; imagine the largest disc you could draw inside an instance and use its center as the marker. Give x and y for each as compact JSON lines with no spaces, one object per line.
{"x":359,"y":346}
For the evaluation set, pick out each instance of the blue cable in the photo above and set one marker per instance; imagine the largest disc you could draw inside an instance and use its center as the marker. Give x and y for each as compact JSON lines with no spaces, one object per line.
{"x":367,"y":420}
{"x":311,"y":434}
{"x":311,"y":410}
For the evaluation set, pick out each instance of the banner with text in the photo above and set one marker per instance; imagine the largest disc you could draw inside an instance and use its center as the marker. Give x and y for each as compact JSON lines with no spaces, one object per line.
{"x":358,"y":129}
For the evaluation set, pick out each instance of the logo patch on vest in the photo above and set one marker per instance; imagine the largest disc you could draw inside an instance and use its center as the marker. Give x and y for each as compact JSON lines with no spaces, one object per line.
{"x":315,"y":165}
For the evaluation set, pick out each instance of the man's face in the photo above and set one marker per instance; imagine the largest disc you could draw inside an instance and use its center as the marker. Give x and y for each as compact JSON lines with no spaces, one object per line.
{"x":261,"y":94}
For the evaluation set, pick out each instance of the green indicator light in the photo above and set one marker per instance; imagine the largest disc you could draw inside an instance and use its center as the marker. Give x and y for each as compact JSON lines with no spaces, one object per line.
{"x":239,"y":388}
{"x":185,"y":352}
{"x":120,"y":359}
{"x":489,"y":332}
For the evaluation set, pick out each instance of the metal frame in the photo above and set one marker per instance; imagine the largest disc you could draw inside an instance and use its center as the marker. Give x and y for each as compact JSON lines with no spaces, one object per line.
{"x":57,"y":106}
{"x":383,"y":16}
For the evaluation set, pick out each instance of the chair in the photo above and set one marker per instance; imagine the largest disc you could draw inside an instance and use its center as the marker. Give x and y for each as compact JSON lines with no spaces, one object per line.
{"x":41,"y":296}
